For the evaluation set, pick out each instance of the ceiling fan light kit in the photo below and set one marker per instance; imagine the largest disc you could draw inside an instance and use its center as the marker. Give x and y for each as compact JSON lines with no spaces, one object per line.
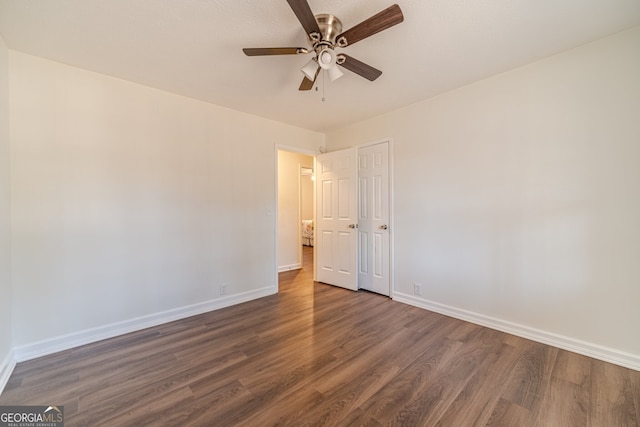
{"x":324,"y":34}
{"x":310,"y":69}
{"x":334,"y":73}
{"x":326,"y":58}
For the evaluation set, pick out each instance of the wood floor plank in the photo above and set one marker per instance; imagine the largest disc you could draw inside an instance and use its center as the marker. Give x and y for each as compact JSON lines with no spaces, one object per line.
{"x":358,"y":418}
{"x":388,"y":405}
{"x":319,"y":355}
{"x":507,"y":413}
{"x":493,"y":370}
{"x":564,"y":404}
{"x":435,"y":396}
{"x":634,"y":378}
{"x":531,"y":376}
{"x":152,"y":412}
{"x":567,"y":400}
{"x":350,"y":384}
{"x":612,"y":401}
{"x":286,"y":412}
{"x":202,"y":411}
{"x":573,"y":367}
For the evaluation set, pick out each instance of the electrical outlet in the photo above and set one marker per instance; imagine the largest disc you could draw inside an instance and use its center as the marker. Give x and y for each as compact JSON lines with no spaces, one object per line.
{"x":417,"y":289}
{"x":223,"y":289}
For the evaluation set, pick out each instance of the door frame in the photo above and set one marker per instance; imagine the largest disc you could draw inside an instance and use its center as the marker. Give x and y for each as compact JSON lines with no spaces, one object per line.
{"x":291,"y":149}
{"x":314,"y":153}
{"x":392,"y":276}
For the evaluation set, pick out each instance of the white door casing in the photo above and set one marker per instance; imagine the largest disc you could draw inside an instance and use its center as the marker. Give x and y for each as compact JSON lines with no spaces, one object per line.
{"x":336,"y":218}
{"x":374,"y":218}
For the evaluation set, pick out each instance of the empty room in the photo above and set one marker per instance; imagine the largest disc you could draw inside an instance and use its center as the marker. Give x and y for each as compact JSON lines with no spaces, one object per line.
{"x":319,"y":212}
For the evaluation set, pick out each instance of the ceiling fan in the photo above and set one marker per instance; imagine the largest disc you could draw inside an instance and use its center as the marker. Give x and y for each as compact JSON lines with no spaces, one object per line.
{"x":325,"y":34}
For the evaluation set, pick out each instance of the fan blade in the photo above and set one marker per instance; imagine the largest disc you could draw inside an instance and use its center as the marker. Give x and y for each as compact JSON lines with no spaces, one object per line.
{"x":259,"y":51}
{"x":308,"y":84}
{"x":381,"y":21}
{"x":360,"y":68}
{"x":303,"y":11}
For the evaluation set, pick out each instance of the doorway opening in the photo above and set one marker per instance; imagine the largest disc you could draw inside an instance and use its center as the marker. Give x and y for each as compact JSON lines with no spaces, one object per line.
{"x":295,"y":201}
{"x":336,"y":208}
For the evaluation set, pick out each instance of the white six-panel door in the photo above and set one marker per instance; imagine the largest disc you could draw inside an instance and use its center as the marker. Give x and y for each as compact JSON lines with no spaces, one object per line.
{"x":352,"y":218}
{"x":373,"y":218}
{"x":336,"y":218}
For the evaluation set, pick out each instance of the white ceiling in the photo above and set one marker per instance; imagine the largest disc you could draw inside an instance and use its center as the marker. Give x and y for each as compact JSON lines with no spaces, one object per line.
{"x":194,"y":47}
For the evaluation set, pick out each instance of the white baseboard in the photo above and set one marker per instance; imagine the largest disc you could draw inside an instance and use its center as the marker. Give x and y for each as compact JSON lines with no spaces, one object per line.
{"x":296,"y":266}
{"x":65,"y":342}
{"x":596,"y":351}
{"x":6,"y":368}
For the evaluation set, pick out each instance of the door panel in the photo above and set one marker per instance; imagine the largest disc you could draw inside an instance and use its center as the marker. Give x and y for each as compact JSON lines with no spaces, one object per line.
{"x":325,"y":249}
{"x":327,"y":199}
{"x":345,"y":194}
{"x":337,"y":187}
{"x":363,"y":246}
{"x":373,"y":218}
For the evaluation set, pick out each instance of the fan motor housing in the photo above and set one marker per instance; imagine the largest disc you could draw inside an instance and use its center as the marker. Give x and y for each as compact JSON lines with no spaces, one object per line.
{"x":330,"y":27}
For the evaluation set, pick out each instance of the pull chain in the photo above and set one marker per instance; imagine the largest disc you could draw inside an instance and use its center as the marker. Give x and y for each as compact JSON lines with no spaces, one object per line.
{"x":323,"y":97}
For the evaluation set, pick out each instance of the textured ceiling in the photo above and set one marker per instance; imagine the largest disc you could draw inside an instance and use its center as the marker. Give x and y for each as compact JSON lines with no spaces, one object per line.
{"x":194,"y":47}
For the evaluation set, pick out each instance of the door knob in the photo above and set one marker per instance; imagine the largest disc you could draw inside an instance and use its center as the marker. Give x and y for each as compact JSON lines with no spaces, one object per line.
{"x":353,"y":225}
{"x":383,"y":227}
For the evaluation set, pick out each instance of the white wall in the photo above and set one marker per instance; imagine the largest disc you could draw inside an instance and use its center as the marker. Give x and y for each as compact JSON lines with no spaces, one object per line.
{"x":289,"y":181}
{"x":129,"y":201}
{"x":5,"y":218}
{"x":306,"y":196}
{"x":517,"y":198}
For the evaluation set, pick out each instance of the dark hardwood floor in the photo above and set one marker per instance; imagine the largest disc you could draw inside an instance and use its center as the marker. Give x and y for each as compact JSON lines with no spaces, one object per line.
{"x":320,"y":355}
